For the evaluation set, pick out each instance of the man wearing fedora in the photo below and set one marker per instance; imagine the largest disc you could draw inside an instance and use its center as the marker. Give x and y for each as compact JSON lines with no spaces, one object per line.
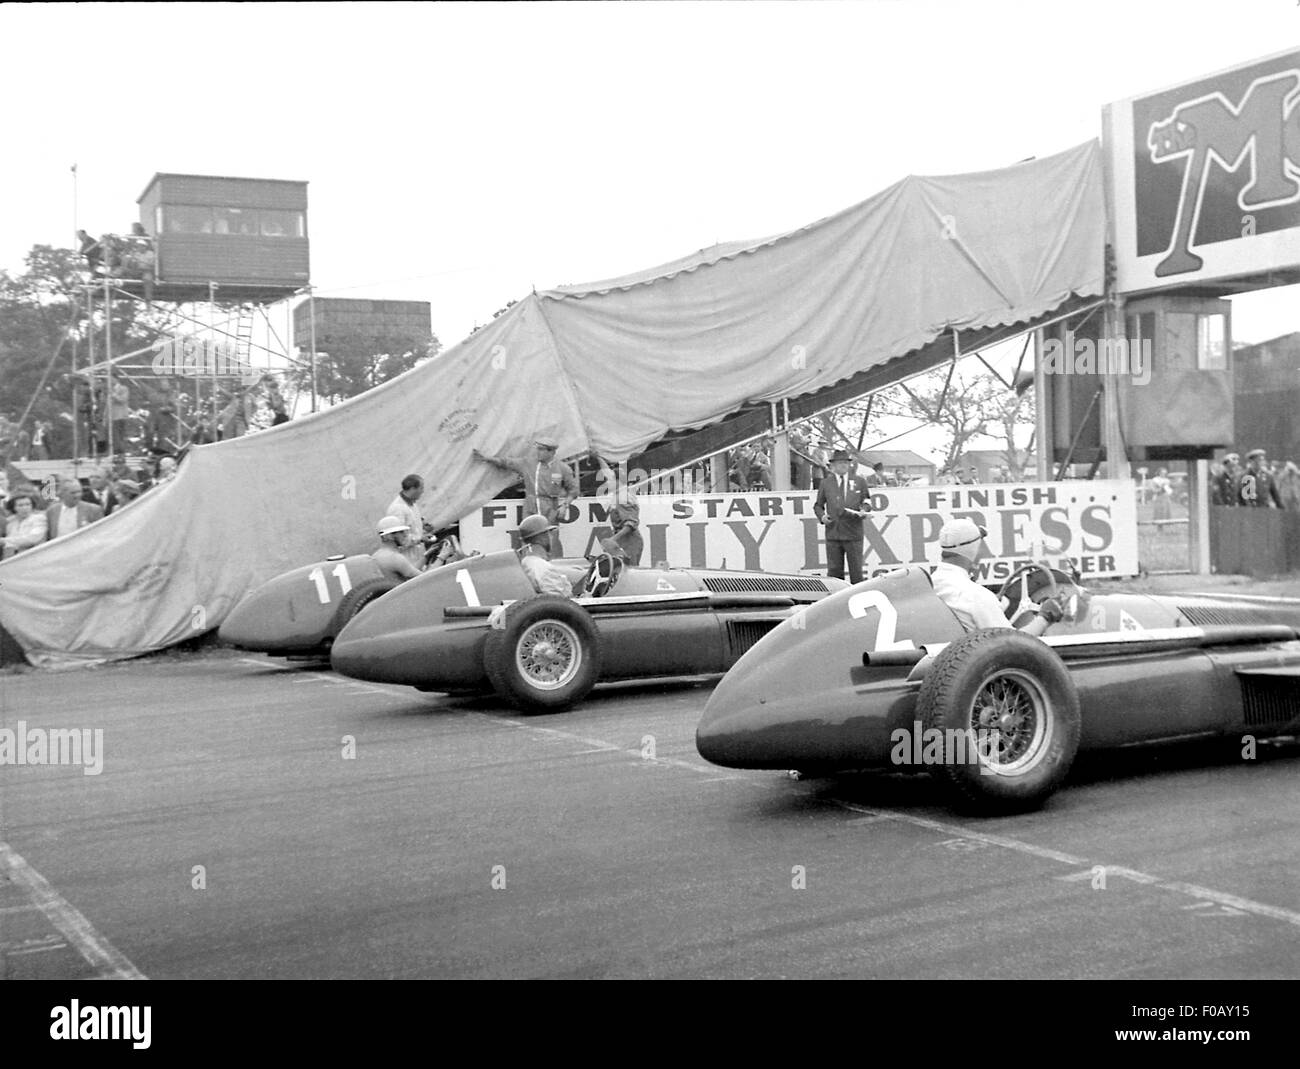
{"x":549,"y":484}
{"x":1257,"y":487}
{"x":842,"y":501}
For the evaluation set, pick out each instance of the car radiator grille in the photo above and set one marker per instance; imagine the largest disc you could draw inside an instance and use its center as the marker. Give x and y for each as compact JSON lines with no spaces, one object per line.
{"x":1210,"y":615}
{"x":1269,"y":702}
{"x":762,"y":584}
{"x":744,"y":633}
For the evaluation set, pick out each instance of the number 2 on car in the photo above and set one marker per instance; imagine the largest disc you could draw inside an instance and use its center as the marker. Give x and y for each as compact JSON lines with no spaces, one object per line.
{"x":864,"y":600}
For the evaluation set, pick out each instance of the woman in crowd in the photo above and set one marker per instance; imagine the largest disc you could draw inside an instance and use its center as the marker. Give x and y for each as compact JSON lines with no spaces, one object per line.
{"x":26,"y":527}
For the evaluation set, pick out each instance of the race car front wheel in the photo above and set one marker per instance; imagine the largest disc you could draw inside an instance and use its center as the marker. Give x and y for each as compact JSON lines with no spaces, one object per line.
{"x":1007,"y":716}
{"x":546,"y":654}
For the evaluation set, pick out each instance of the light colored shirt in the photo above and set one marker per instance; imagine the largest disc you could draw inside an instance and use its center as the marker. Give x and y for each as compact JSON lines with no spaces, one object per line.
{"x":410,"y":515}
{"x":545,"y":576}
{"x":69,"y":521}
{"x":973,"y":605}
{"x":23,"y":534}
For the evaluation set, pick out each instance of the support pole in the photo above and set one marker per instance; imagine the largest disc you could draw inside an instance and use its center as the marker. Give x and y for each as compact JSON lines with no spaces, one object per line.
{"x":1044,"y":433}
{"x":781,"y":447}
{"x":212,"y":316}
{"x":718,"y":473}
{"x":90,"y":375}
{"x":1198,"y":517}
{"x":76,"y":411}
{"x":108,"y":364}
{"x":1112,"y":437}
{"x":311,"y":315}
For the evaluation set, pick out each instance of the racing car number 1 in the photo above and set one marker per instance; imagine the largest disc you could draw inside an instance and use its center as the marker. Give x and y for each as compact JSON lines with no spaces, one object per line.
{"x":865,"y":600}
{"x":340,"y":572}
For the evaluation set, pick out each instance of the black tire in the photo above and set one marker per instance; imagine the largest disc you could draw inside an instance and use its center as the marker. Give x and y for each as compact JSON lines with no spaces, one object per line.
{"x":546,"y":656}
{"x":358,"y":598}
{"x":1016,"y":696}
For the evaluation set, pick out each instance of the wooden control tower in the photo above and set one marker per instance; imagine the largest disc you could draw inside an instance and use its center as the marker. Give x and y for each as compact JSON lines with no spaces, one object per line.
{"x":248,"y":236}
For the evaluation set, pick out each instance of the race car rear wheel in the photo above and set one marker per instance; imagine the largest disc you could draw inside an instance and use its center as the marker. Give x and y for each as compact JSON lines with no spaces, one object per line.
{"x":546,"y":655}
{"x":1008,"y":713}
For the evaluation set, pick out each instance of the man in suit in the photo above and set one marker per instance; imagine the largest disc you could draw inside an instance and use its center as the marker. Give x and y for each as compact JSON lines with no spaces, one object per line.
{"x":100,"y":491}
{"x":842,"y":501}
{"x":70,"y":512}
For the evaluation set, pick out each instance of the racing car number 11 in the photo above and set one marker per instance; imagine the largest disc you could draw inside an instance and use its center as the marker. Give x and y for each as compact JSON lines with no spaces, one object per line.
{"x":340,"y":572}
{"x":865,"y":600}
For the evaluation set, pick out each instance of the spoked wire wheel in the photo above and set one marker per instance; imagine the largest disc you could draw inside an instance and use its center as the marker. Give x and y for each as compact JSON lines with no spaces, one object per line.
{"x":1014,"y":700}
{"x":1010,"y":723}
{"x":548,"y":655}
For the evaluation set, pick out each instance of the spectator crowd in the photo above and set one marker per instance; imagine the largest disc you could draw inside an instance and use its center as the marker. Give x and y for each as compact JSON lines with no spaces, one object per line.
{"x":31,"y":519}
{"x":1256,"y":484}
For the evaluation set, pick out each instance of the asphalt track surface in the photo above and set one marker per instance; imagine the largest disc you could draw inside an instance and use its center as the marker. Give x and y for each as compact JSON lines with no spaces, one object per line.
{"x":615,"y":850}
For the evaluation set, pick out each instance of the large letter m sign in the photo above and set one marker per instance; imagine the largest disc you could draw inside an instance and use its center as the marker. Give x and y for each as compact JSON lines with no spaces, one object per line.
{"x":1261,"y":131}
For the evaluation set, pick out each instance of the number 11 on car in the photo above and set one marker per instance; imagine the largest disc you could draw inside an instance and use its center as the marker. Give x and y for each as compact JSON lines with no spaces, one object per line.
{"x":340,"y":572}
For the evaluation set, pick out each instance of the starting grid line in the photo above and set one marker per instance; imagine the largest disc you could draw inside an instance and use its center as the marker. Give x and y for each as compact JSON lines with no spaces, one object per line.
{"x":868,"y":816}
{"x":98,"y":952}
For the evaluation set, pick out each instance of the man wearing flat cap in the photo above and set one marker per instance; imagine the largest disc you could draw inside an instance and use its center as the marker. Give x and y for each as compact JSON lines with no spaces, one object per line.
{"x":1257,"y":487}
{"x":842,"y":501}
{"x":1224,"y":481}
{"x":549,"y":484}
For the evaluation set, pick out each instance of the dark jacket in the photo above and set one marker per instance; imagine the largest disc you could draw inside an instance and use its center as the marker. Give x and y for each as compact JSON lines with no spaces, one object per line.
{"x":831,"y":503}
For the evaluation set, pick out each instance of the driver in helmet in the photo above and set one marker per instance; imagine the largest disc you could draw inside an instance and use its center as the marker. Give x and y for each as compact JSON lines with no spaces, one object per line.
{"x":394,"y":537}
{"x":961,"y":544}
{"x":535,"y":557}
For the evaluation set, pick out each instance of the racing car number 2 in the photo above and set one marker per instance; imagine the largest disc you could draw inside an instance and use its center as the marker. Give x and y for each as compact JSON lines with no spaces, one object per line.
{"x":863,"y":602}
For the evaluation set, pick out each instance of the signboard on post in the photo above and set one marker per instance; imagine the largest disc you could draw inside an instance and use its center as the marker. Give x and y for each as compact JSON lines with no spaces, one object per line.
{"x":1205,"y":178}
{"x":1090,"y":524}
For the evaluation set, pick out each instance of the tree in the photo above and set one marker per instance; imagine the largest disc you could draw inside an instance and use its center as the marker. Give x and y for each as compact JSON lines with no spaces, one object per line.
{"x":43,"y":330}
{"x":362,"y":359}
{"x":965,"y":406}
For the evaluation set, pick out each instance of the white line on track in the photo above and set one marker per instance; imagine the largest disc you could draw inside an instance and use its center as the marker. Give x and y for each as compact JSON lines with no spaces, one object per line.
{"x":1260,"y":909}
{"x":870,"y":815}
{"x":874,"y":816}
{"x":99,"y":953}
{"x":603,"y":745}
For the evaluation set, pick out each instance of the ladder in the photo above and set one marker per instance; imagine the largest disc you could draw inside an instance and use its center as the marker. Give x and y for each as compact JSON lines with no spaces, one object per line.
{"x":244,"y":335}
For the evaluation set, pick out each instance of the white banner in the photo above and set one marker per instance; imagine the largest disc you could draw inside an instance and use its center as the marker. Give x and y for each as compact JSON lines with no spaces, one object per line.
{"x":1092,"y":524}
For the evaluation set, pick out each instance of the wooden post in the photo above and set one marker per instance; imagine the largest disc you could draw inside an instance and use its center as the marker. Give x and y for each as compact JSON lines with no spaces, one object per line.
{"x":108,"y":363}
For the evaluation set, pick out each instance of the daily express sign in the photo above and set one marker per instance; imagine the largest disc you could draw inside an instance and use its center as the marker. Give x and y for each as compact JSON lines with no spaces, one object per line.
{"x":1093,"y":524}
{"x":1205,"y":177}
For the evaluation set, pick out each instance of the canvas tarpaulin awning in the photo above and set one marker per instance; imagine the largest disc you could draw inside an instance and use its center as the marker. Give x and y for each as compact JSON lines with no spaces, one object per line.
{"x":608,"y":367}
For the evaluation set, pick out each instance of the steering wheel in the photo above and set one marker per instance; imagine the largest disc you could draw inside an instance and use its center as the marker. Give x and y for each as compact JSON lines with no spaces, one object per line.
{"x":1026,"y":569}
{"x":602,"y":574}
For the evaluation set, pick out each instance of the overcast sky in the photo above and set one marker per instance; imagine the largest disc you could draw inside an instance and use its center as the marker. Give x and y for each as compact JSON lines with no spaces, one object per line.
{"x":463,"y":154}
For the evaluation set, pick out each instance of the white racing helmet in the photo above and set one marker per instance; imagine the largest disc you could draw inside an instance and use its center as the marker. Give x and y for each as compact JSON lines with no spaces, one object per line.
{"x":391,"y":525}
{"x":962,"y":537}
